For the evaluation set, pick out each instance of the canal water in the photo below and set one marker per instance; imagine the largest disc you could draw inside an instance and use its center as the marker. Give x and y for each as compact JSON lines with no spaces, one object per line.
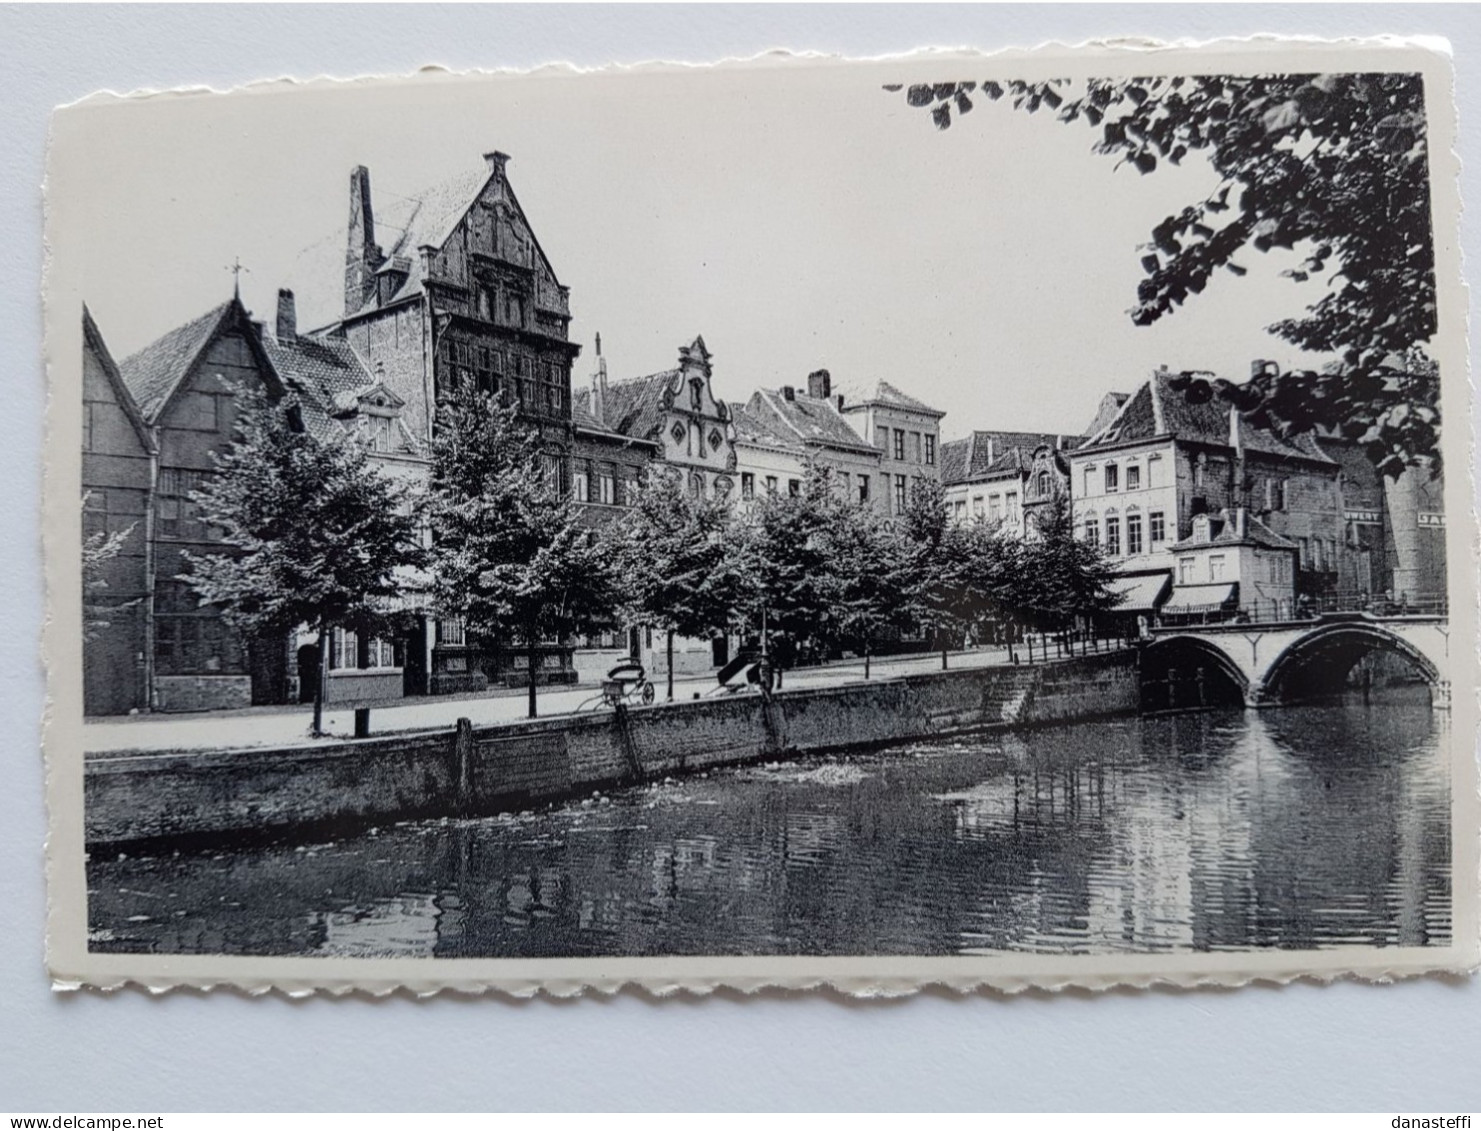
{"x":1302,"y":827}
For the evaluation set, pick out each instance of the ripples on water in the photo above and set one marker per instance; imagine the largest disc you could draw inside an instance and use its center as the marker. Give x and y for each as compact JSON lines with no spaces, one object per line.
{"x":1304,"y":827}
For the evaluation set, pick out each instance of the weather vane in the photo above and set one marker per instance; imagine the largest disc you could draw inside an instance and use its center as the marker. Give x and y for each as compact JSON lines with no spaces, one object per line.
{"x":236,"y":270}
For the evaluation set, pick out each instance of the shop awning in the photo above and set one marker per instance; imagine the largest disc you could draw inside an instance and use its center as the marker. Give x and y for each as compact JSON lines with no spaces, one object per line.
{"x":1201,"y":598}
{"x":1143,"y":594}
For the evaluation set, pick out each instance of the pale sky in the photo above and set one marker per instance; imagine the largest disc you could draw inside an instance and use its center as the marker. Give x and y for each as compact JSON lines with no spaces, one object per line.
{"x":799,"y":218}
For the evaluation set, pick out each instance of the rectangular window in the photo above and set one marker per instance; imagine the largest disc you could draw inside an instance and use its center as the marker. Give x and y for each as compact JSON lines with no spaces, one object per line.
{"x":451,"y":632}
{"x":1113,"y":536}
{"x":195,"y":645}
{"x":771,"y":484}
{"x":977,"y":506}
{"x":900,"y":444}
{"x":930,"y":450}
{"x":1303,"y":550}
{"x":581,"y":486}
{"x":794,"y":487}
{"x":1092,"y":531}
{"x":1185,"y":571}
{"x":1216,"y":567}
{"x":1156,"y":528}
{"x":1133,"y":476}
{"x":959,"y":508}
{"x":1090,"y":480}
{"x":915,"y":448}
{"x":1010,"y":506}
{"x":994,"y":507}
{"x":178,"y":514}
{"x":343,"y":649}
{"x":609,"y":488}
{"x":1113,"y":477}
{"x":748,"y":485}
{"x":900,"y":489}
{"x":1133,"y":533}
{"x":863,"y":488}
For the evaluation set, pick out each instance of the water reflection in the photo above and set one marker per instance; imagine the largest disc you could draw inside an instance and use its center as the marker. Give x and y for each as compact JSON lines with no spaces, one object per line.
{"x":1306,"y":827}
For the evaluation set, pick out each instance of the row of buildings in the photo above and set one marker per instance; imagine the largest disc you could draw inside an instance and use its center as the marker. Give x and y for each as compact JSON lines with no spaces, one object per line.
{"x":450,"y":288}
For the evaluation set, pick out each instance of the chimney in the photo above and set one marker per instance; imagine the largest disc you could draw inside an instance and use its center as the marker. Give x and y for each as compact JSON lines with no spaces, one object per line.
{"x":789,"y":393}
{"x":1239,"y":521}
{"x":599,"y":386}
{"x":287,"y":325}
{"x":496,"y":162}
{"x":820,"y":384}
{"x":362,"y":256}
{"x":838,"y":401}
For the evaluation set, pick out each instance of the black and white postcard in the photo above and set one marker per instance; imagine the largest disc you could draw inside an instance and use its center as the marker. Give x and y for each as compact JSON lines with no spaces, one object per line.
{"x":980,"y":520}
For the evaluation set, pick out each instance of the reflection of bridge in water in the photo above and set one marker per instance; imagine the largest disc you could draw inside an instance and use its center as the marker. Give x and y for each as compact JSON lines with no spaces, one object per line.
{"x":1267,"y":664}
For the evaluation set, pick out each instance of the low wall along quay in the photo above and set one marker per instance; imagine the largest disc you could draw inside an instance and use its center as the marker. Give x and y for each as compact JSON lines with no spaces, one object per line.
{"x":471,"y":771}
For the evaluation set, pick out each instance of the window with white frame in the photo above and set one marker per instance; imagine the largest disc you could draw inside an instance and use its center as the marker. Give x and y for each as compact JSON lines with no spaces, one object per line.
{"x":1113,"y":478}
{"x":1216,"y":563}
{"x":1113,"y":536}
{"x":1133,"y":476}
{"x":1185,"y":571}
{"x":608,"y":488}
{"x":1133,"y":534}
{"x":1156,"y":528}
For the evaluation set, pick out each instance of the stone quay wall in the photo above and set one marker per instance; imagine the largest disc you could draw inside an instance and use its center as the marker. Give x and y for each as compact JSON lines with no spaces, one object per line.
{"x":330,"y":789}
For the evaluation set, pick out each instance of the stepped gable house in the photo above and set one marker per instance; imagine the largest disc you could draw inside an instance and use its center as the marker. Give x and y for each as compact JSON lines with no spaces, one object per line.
{"x":674,"y":415}
{"x":1139,"y":482}
{"x":117,"y":477}
{"x":782,"y":432}
{"x":1005,"y":477}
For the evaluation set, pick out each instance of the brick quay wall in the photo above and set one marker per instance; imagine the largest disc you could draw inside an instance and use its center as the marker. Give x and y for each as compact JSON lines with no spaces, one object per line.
{"x":328,"y":789}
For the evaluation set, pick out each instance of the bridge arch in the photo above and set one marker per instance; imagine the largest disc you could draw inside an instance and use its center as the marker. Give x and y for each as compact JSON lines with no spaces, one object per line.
{"x":1322,"y":660}
{"x":1184,"y":671}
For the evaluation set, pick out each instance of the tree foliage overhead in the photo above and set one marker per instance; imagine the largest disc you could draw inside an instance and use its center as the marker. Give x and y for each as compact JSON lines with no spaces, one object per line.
{"x":315,"y":534}
{"x":1334,"y":167}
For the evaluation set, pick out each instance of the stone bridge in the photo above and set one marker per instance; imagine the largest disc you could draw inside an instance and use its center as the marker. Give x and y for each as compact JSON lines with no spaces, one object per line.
{"x":1267,"y":664}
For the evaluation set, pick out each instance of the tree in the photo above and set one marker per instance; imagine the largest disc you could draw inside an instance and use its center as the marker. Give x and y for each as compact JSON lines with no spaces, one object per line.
{"x":871,"y":571}
{"x":316,"y":534}
{"x":1062,"y":577}
{"x":677,"y":570}
{"x":937,"y":553}
{"x":511,"y":555}
{"x":1335,"y":166}
{"x":783,"y":546}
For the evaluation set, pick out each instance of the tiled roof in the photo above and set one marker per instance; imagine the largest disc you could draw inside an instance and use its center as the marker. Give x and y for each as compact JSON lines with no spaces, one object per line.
{"x":984,"y":454}
{"x":754,"y":428}
{"x":887,"y":395}
{"x":635,"y":407}
{"x":813,"y":420}
{"x":1155,"y":409}
{"x":153,"y":373}
{"x":1255,"y":533}
{"x":583,"y":418}
{"x":327,"y":367}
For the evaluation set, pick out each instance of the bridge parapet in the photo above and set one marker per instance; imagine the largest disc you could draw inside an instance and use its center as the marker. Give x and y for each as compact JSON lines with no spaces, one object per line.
{"x":1264,"y":659}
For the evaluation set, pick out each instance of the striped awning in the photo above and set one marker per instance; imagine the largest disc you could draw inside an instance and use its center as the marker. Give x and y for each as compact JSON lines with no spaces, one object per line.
{"x":1143,"y":594}
{"x":1199,"y":598}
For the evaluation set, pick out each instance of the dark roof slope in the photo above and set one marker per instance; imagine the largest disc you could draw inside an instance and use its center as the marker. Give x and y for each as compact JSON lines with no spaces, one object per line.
{"x":153,"y":373}
{"x":635,"y":407}
{"x":761,"y":428}
{"x":889,"y":396}
{"x":812,"y":420}
{"x":1156,"y":409}
{"x":1256,"y":533}
{"x":986,"y":453}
